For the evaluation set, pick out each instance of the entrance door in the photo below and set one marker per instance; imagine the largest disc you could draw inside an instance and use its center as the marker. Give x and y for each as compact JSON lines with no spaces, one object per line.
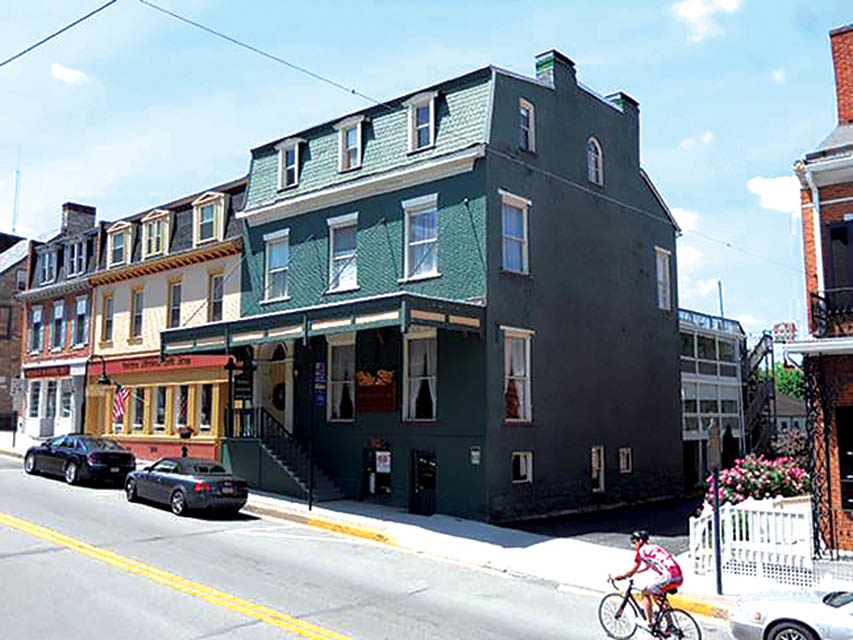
{"x":423,"y":483}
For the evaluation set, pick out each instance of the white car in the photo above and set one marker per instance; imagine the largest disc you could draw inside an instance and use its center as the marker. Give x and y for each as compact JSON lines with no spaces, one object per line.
{"x":803,"y":615}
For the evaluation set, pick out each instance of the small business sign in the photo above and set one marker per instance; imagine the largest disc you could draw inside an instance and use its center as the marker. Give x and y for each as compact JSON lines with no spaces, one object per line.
{"x":16,"y":387}
{"x":319,"y":394}
{"x":47,"y":372}
{"x":715,"y":450}
{"x":383,"y":462}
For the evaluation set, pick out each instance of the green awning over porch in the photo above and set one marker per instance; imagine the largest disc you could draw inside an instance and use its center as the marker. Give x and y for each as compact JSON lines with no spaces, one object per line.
{"x":398,"y":309}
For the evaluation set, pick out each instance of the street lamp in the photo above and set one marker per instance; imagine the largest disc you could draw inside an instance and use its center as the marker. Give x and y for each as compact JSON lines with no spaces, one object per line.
{"x":104,"y":380}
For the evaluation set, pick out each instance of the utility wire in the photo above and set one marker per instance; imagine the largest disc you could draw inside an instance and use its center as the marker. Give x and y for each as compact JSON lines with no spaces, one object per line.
{"x":261,"y":52}
{"x":53,"y":35}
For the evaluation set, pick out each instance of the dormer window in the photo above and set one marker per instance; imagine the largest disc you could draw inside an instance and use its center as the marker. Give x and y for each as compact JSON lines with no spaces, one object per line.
{"x":48,"y":266}
{"x":349,"y":143}
{"x":155,"y":233}
{"x":76,"y":257}
{"x":288,"y":162}
{"x":119,"y":244}
{"x":209,"y":217}
{"x":594,"y":162}
{"x":421,"y":120}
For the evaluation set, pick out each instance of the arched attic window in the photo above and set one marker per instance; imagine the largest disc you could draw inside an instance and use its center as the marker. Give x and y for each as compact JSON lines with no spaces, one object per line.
{"x":594,"y":162}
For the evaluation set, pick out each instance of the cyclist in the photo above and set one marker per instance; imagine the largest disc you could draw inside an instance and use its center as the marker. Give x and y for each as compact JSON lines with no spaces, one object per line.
{"x":658,"y":559}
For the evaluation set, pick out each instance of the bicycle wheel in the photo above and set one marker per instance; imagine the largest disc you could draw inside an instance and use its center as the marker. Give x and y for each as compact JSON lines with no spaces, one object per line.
{"x":617,"y":624}
{"x":680,"y":625}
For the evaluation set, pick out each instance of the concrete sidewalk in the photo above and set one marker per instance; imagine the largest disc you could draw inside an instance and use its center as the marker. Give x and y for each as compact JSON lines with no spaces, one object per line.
{"x":566,"y":562}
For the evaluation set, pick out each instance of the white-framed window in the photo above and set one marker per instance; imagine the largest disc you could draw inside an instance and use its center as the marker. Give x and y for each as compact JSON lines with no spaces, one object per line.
{"x":119,"y":246}
{"x":21,"y":280}
{"x":137,"y":310}
{"x":343,"y":252}
{"x":526,"y":125}
{"x":626,"y":460}
{"x":205,"y":408}
{"x":81,"y":322}
{"x":138,"y":419}
{"x":278,"y":264}
{"x":48,"y":266}
{"x":594,"y":162}
{"x":662,"y":270}
{"x":420,"y":367}
{"x":288,"y":162}
{"x":181,"y":402}
{"x":349,"y":143}
{"x":175,"y":293}
{"x":209,"y":217}
{"x":160,"y":408}
{"x":36,"y":329}
{"x":66,"y":398}
{"x":522,"y":467}
{"x":421,"y":120}
{"x":58,"y":325}
{"x":35,"y":398}
{"x":518,"y":403}
{"x":76,"y":257}
{"x":421,"y":230}
{"x":214,"y":297}
{"x":50,"y":399}
{"x":341,"y":377}
{"x":515,"y":233}
{"x":597,"y":468}
{"x":155,"y":233}
{"x":107,"y":325}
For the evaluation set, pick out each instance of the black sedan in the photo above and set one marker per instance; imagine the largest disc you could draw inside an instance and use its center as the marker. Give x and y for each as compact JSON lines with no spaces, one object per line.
{"x":188,"y":483}
{"x":78,"y":458}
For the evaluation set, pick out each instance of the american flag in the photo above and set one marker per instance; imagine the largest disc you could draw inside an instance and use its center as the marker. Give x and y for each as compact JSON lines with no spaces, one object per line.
{"x":122,"y":394}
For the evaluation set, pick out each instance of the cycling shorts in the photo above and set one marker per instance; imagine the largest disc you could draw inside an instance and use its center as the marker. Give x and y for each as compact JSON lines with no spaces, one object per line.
{"x":664,"y":585}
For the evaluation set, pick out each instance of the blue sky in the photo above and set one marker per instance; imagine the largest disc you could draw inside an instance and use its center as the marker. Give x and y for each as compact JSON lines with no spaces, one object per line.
{"x":133,"y":108}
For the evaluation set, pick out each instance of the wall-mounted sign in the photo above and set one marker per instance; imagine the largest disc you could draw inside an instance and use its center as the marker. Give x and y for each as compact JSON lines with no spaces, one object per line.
{"x":319,"y":394}
{"x":383,"y":462}
{"x":474,"y":453}
{"x":375,"y":393}
{"x":47,"y":372}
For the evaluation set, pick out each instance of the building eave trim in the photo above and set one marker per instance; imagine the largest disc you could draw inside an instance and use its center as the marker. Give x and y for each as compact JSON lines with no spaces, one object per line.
{"x":436,"y":169}
{"x":828,"y":346}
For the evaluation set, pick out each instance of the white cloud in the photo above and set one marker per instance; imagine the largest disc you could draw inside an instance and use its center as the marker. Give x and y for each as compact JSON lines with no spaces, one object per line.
{"x":706,"y":137}
{"x":66,"y":74}
{"x":688,"y":257}
{"x":778,"y":76}
{"x":777,"y":194}
{"x":704,"y":287}
{"x":687,"y":220}
{"x":699,"y":16}
{"x":749,"y":322}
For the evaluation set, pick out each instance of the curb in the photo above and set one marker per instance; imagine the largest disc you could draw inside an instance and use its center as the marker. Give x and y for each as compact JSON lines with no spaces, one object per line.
{"x":12,"y":453}
{"x":321,"y":523}
{"x":701,"y":606}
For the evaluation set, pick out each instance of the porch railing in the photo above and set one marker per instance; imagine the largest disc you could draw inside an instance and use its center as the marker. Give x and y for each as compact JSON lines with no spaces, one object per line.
{"x":831,"y":312}
{"x":768,"y":540}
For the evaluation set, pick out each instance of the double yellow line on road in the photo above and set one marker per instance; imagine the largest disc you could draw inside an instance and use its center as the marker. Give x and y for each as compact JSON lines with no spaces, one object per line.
{"x":212,"y":596}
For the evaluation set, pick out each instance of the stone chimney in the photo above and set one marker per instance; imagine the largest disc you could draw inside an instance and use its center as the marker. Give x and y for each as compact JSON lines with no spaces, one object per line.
{"x":842,"y":59}
{"x":77,"y":218}
{"x":555,"y":69}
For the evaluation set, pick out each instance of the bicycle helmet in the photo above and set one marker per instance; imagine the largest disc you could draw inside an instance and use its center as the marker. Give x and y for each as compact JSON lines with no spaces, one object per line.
{"x":640,"y":534}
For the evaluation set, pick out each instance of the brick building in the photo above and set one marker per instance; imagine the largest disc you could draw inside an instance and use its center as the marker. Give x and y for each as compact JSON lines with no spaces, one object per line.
{"x":13,"y":279}
{"x":826,"y":178}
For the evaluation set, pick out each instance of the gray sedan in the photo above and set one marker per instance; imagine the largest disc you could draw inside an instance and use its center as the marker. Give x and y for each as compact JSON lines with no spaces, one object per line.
{"x":188,"y":483}
{"x":806,"y":615}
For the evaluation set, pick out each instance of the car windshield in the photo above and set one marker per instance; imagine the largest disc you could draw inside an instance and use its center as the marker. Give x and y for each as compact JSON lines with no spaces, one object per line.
{"x":208,"y":468}
{"x":838,"y":599}
{"x":100,"y":443}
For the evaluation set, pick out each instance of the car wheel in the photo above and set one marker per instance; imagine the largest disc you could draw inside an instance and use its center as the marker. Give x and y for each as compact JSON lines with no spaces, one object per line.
{"x":791,"y":631}
{"x":130,"y":490}
{"x":71,"y":472}
{"x":30,"y":464}
{"x":178,"y":503}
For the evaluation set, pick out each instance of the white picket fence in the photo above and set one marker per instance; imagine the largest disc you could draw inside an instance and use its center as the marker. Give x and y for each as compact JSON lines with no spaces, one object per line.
{"x":767,"y":540}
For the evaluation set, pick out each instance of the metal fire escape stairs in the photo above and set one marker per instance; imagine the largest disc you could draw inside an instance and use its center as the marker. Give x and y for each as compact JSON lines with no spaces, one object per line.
{"x":759,"y":396}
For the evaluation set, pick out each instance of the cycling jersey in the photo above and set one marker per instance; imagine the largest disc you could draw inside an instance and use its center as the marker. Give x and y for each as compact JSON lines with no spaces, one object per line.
{"x":660,"y":560}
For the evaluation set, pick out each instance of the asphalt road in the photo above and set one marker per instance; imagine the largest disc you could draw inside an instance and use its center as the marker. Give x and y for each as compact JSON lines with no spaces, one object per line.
{"x":81,"y":562}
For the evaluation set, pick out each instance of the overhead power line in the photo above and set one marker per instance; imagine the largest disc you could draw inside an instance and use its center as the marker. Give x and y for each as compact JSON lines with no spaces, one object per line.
{"x":53,"y":35}
{"x":261,"y":52}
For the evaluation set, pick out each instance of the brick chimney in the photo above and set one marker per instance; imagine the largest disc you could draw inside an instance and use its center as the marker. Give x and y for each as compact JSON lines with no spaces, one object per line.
{"x":77,"y":218}
{"x":842,"y":59}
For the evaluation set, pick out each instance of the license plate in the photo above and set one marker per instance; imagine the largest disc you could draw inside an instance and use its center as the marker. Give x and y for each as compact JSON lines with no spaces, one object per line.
{"x":228,"y":490}
{"x":113,"y":469}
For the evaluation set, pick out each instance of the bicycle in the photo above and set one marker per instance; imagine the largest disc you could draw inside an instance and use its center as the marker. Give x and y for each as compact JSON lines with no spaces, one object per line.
{"x":618,"y":614}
